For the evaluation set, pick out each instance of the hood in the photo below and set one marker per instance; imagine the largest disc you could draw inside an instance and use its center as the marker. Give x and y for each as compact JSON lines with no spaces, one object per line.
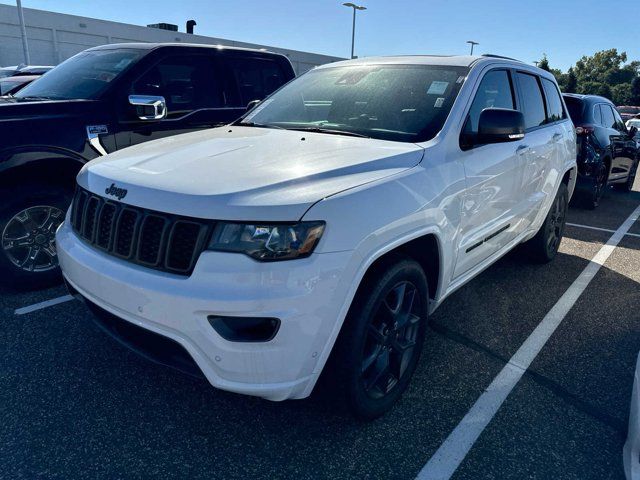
{"x":17,"y":108}
{"x":245,"y":173}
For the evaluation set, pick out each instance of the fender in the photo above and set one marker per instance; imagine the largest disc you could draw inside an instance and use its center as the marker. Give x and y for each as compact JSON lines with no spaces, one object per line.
{"x":20,"y":156}
{"x":361,"y":272}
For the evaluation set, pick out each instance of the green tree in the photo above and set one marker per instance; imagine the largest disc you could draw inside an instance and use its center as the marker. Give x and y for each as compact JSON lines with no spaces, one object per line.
{"x":544,"y":63}
{"x":635,"y":92}
{"x":595,"y":88}
{"x":603,"y":67}
{"x":571,"y":84}
{"x":621,"y":94}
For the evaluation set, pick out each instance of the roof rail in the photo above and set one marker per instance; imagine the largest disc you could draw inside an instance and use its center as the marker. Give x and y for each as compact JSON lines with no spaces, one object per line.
{"x":491,"y":55}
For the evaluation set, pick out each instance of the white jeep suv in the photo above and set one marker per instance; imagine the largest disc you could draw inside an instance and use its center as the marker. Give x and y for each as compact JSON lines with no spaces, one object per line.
{"x":319,"y":232}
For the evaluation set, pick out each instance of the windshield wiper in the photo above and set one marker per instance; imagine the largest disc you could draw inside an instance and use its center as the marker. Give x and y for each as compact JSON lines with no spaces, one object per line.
{"x":258,"y":125}
{"x":34,"y":98}
{"x":330,"y":131}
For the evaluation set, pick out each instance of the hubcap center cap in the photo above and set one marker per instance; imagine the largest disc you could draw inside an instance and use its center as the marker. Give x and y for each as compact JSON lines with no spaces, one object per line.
{"x":41,"y":239}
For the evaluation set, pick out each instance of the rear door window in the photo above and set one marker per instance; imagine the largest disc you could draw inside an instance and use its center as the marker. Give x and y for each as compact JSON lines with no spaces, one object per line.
{"x":251,"y":79}
{"x":597,"y":115}
{"x":608,"y":120}
{"x":554,"y":103}
{"x":495,"y":91}
{"x":532,"y":100}
{"x":187,"y":82}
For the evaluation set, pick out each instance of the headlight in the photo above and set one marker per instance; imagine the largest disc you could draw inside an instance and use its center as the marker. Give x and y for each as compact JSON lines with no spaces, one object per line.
{"x":267,"y":242}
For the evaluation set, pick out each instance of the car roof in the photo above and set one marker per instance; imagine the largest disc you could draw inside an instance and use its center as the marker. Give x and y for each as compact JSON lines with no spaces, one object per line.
{"x":439,"y":60}
{"x":588,"y":98}
{"x":153,"y":46}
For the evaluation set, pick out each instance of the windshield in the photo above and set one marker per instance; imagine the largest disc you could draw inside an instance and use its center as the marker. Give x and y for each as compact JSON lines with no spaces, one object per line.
{"x":405,"y":103}
{"x":84,"y":76}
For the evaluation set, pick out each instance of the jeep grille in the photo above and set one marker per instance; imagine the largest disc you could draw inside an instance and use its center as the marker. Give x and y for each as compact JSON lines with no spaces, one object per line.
{"x":161,"y":241}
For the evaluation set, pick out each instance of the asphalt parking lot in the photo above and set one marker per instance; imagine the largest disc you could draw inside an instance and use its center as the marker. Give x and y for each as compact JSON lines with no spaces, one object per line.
{"x":74,"y":404}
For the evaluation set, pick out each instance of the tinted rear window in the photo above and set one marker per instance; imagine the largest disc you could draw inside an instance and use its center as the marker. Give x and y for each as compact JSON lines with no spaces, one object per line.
{"x":556,"y":112}
{"x":576,"y":108}
{"x":532,"y":101}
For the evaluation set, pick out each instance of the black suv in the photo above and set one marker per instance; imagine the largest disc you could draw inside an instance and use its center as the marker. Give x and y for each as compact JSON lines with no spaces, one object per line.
{"x":607,"y":152}
{"x":101,"y":100}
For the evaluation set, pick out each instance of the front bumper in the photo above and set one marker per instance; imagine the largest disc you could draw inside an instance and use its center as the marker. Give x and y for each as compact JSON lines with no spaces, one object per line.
{"x":306,"y":295}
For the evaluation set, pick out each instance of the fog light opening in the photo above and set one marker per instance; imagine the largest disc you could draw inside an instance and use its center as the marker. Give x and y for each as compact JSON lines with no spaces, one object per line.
{"x":245,"y":329}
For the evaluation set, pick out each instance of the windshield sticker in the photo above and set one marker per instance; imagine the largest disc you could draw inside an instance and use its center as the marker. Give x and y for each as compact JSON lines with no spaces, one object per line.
{"x":439,"y":102}
{"x":437,"y":88}
{"x":257,"y":110}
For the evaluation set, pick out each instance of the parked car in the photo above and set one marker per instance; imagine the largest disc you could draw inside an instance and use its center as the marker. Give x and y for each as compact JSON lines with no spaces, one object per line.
{"x":633,"y":122}
{"x":102,"y":100}
{"x":11,"y":85}
{"x":24,"y":70}
{"x":326,"y":225}
{"x":607,"y":151}
{"x":627,"y":112}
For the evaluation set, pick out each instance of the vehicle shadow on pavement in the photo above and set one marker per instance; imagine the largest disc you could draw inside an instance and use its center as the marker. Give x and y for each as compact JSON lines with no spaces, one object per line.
{"x":75,"y":404}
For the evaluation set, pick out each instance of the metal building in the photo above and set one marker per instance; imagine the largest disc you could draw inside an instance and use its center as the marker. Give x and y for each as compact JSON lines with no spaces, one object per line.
{"x":54,"y":37}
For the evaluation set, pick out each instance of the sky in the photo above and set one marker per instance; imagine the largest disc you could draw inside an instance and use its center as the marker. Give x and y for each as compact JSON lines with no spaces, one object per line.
{"x":564,"y":30}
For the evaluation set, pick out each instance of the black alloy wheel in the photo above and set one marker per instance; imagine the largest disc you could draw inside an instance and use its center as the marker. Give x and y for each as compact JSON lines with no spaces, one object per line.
{"x":28,"y":238}
{"x":391,"y":340}
{"x":556,"y":223}
{"x":381,"y":339}
{"x":599,"y":187}
{"x":543,"y":247}
{"x":29,"y":217}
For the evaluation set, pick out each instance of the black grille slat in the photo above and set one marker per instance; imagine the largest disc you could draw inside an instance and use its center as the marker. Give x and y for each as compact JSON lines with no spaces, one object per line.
{"x":126,"y":229}
{"x":169,"y":243}
{"x":89,"y":218}
{"x":183,"y":240}
{"x":106,"y":225}
{"x":152,"y":235}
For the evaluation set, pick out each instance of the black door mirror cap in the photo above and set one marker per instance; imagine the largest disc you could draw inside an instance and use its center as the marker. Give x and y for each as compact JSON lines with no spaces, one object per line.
{"x":633,"y":131}
{"x":499,"y":125}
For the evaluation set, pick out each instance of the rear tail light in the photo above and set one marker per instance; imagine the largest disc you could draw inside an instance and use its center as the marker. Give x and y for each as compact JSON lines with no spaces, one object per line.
{"x":584,"y":130}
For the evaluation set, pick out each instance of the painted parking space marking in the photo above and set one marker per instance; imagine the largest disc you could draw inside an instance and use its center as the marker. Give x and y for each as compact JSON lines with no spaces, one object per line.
{"x":41,"y":305}
{"x":457,"y":445}
{"x":608,"y":230}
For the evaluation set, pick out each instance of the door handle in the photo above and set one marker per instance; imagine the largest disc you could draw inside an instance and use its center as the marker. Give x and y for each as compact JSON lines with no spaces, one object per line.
{"x":556,"y":137}
{"x":522,"y":149}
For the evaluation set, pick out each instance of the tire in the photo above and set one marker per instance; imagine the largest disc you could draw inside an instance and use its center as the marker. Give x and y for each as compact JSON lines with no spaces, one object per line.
{"x":29,"y":217}
{"x":628,"y":185}
{"x":373,"y":336}
{"x":594,"y":197}
{"x":544,"y":246}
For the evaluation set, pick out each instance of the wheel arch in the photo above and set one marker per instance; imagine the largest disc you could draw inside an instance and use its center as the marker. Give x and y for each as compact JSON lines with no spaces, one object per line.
{"x":47,"y":167}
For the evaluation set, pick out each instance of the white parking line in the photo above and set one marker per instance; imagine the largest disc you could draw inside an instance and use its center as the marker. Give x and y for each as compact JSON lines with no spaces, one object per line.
{"x":589,"y":227}
{"x":455,"y":448}
{"x":41,"y":305}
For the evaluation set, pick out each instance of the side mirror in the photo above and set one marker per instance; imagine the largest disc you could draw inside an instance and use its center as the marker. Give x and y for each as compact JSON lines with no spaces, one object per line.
{"x":498,"y":125}
{"x":252,"y":104}
{"x":149,"y":107}
{"x":633,"y":131}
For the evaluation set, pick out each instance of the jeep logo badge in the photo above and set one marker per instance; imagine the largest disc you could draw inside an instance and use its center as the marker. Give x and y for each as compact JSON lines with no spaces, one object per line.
{"x":119,"y":193}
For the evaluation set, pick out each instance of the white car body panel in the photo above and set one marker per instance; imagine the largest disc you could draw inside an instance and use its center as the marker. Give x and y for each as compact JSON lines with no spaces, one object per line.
{"x":283,"y":172}
{"x":373,"y":195}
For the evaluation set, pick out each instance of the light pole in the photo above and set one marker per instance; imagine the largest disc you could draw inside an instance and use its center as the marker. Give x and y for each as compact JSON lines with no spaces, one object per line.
{"x":472,"y":43}
{"x":23,"y":31}
{"x":353,"y":29}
